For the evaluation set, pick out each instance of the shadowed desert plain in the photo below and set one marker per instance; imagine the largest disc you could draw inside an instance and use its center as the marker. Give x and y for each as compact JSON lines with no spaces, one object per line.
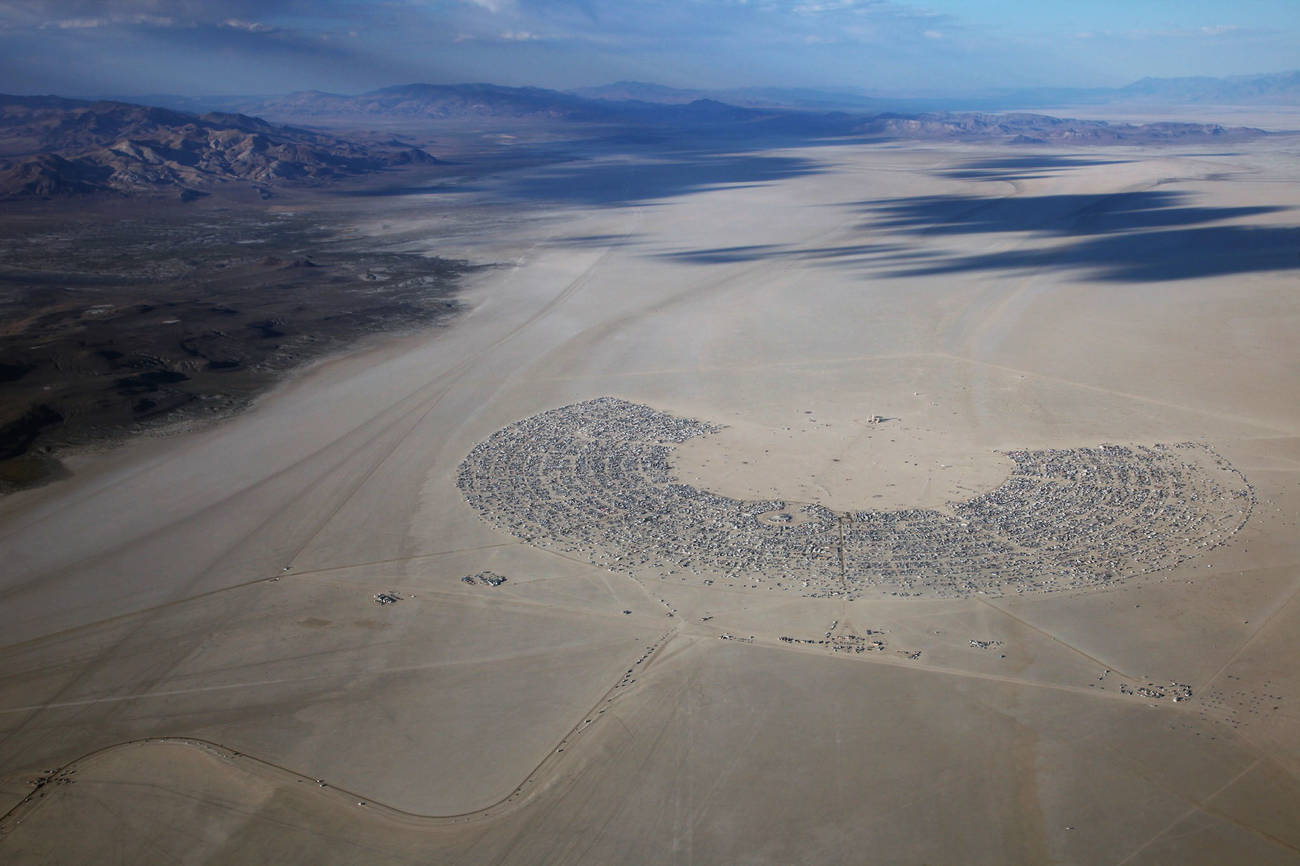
{"x":858,"y":503}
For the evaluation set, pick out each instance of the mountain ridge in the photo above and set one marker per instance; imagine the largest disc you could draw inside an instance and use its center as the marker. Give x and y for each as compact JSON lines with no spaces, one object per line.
{"x":445,"y":102}
{"x":1276,"y":88}
{"x":52,"y":146}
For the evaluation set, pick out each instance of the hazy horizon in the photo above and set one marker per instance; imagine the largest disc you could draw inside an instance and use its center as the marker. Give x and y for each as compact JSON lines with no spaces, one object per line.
{"x":910,"y":47}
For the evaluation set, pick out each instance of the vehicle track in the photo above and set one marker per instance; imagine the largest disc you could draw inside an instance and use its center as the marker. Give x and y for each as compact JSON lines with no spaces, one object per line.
{"x":531,"y":784}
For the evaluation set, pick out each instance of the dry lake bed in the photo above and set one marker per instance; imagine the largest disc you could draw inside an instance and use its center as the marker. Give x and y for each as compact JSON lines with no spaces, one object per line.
{"x":886,"y":503}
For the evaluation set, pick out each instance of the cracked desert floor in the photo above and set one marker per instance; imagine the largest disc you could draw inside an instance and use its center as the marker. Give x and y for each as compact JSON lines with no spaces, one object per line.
{"x":194,"y":666}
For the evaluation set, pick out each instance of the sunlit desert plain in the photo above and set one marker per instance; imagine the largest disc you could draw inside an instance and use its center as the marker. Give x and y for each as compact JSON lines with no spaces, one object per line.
{"x":894,"y":502}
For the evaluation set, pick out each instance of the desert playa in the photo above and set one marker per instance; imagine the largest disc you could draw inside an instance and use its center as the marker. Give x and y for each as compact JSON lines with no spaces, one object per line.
{"x":984,"y":461}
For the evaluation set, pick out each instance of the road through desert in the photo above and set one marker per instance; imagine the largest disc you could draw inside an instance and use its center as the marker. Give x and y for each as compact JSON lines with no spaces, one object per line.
{"x":195,"y":667}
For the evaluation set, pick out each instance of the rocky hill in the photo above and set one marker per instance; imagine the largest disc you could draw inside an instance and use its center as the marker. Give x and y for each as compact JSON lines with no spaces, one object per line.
{"x":52,"y":147}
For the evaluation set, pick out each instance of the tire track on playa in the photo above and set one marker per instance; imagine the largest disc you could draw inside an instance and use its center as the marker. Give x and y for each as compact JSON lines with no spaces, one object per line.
{"x":417,"y":393}
{"x":246,"y":584}
{"x":281,"y":681}
{"x":426,"y":403}
{"x":751,"y":367}
{"x":537,"y":780}
{"x":341,"y":443}
{"x":1047,"y":634}
{"x":1202,"y":804}
{"x":982,"y":336}
{"x":1187,"y":814}
{"x":744,"y":274}
{"x":944,"y":670}
{"x":1260,"y":629}
{"x":447,"y":380}
{"x":1249,"y":746}
{"x":426,"y":398}
{"x":585,"y":807}
{"x":252,"y":488}
{"x":54,"y":703}
{"x":601,"y":571}
{"x":899,"y":356}
{"x":521,"y":794}
{"x":763,"y":644}
{"x":1100,"y":389}
{"x":107,"y":484}
{"x":106,"y":658}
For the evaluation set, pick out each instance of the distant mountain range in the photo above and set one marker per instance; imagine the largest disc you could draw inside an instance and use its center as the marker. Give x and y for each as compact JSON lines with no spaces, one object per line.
{"x":641,"y":102}
{"x":51,"y":146}
{"x":1023,"y":128}
{"x":462,"y":102}
{"x":434,"y":101}
{"x":634,"y":104}
{"x":1280,"y":88}
{"x":806,"y":98}
{"x":486,"y":101}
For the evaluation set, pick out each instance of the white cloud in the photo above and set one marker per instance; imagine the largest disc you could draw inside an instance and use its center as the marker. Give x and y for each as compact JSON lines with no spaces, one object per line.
{"x":1171,"y":33}
{"x":93,"y":23}
{"x":81,"y":23}
{"x":250,"y":26}
{"x":820,"y":6}
{"x":519,"y":36}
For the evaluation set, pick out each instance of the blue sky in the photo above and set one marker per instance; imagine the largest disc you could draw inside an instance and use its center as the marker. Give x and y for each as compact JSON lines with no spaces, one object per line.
{"x":93,"y":47}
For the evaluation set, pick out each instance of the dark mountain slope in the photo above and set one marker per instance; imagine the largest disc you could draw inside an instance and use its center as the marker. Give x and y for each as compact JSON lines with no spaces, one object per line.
{"x":51,"y":146}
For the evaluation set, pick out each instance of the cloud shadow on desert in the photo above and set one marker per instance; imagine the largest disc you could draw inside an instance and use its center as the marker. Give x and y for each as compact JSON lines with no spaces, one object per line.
{"x":595,"y":178}
{"x":1145,"y":236}
{"x":1049,"y":215}
{"x":1030,"y":167}
{"x":641,"y":180}
{"x":757,"y":252}
{"x":1152,"y":256}
{"x":1140,"y":236}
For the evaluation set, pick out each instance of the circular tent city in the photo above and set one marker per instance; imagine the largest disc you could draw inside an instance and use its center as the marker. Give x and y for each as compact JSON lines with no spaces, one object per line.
{"x":595,"y":479}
